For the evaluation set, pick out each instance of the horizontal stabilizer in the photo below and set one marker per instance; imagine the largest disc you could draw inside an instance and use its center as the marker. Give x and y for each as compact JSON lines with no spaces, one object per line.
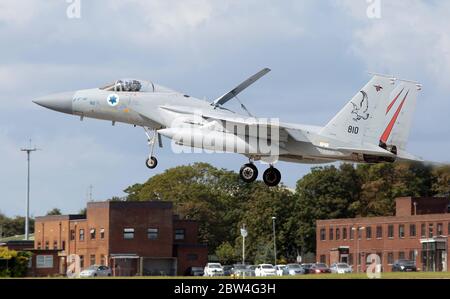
{"x":403,"y":155}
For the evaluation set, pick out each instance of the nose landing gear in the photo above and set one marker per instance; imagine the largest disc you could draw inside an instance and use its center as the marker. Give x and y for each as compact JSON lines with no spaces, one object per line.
{"x":151,"y":161}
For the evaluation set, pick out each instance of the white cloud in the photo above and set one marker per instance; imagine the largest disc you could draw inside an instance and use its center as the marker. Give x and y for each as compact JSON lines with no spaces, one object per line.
{"x":410,"y":39}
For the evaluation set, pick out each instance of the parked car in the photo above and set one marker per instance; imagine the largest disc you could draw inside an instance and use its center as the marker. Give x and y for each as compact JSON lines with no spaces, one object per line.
{"x":194,"y":271}
{"x":251,"y":270}
{"x":227,"y":270}
{"x":213,"y":269}
{"x":404,"y":266}
{"x":265,"y":270}
{"x":95,"y":270}
{"x":341,"y":268}
{"x":241,"y":270}
{"x":319,"y":268}
{"x":294,"y":269}
{"x":307,"y":267}
{"x":279,"y":269}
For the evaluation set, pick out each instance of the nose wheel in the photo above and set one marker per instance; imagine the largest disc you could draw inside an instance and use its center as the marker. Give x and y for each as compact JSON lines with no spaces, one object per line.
{"x":272,"y":177}
{"x":151,"y":162}
{"x":248,"y":173}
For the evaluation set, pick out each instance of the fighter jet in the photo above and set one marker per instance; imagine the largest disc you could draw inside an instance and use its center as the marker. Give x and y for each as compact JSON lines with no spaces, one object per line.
{"x":373,"y":127}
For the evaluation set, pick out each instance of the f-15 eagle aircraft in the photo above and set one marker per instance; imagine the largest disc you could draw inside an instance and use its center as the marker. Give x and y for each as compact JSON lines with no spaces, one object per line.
{"x":373,"y":127}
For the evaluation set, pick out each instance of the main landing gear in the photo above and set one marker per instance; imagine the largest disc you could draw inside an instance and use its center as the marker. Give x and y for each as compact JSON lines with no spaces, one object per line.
{"x":151,"y":161}
{"x":249,"y":173}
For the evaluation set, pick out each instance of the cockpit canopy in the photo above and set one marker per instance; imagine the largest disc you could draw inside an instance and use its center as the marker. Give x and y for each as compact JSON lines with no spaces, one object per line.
{"x":135,"y":85}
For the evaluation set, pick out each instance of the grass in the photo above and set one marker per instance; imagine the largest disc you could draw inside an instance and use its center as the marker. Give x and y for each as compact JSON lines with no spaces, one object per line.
{"x":388,"y":275}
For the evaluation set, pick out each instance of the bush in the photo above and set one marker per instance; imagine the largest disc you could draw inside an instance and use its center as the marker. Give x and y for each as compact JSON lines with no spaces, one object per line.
{"x":13,"y":263}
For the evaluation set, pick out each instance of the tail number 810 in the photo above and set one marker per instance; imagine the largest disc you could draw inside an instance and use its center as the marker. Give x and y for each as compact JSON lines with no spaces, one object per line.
{"x":353,"y":130}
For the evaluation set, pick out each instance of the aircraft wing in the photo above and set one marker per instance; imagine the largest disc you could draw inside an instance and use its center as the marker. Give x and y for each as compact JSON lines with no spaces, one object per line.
{"x":241,"y":87}
{"x":228,"y":121}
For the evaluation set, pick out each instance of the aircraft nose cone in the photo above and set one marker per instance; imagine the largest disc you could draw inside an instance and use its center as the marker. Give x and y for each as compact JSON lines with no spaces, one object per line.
{"x":61,"y":102}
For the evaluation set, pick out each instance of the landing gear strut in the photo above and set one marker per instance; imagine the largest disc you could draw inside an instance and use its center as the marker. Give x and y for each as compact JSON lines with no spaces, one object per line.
{"x":272,"y":176}
{"x":151,"y":161}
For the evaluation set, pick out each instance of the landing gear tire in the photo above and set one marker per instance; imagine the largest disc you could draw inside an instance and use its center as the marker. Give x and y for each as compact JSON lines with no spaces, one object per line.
{"x":272,"y":177}
{"x":151,"y":162}
{"x":248,"y":173}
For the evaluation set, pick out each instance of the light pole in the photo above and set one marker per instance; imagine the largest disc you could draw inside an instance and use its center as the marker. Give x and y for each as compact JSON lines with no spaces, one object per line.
{"x":274,"y":241}
{"x":357,"y":245}
{"x":28,"y":150}
{"x":244,"y":234}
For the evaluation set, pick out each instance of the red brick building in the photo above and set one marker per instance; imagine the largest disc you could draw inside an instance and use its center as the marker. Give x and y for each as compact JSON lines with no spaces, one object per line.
{"x":133,"y":238}
{"x":419,"y":231}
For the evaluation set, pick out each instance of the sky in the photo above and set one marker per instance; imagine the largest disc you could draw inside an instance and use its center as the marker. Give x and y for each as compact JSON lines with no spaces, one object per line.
{"x":319,"y":53}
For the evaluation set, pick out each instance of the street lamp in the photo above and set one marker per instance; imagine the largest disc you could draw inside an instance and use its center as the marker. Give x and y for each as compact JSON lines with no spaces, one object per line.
{"x":357,"y":245}
{"x":28,"y":150}
{"x":274,"y":241}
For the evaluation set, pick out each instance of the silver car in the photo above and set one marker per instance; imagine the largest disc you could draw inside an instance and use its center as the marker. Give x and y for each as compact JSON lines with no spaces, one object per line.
{"x":94,"y":271}
{"x":341,"y":268}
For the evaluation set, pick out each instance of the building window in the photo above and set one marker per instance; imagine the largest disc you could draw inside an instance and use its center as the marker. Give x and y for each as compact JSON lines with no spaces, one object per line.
{"x":390,"y":258}
{"x":322,"y":234}
{"x":128,"y":233}
{"x":47,"y":246}
{"x":331,"y":237}
{"x":344,"y":233}
{"x":359,"y":232}
{"x":55,"y":244}
{"x":192,"y":257}
{"x":72,"y":235}
{"x":352,"y":233}
{"x":323,"y":259}
{"x":422,"y":230}
{"x":379,"y":232}
{"x":81,"y":234}
{"x":350,"y":259}
{"x":92,"y":233}
{"x":440,"y":230}
{"x":412,"y":230}
{"x":39,"y":245}
{"x":81,"y":261}
{"x":401,"y":255}
{"x":63,"y":245}
{"x":412,"y":255}
{"x":430,"y":230}
{"x":102,"y":233}
{"x":102,"y":260}
{"x":92,"y":260}
{"x":401,"y":231}
{"x":44,"y":261}
{"x":152,"y":233}
{"x":369,"y":232}
{"x":390,"y":231}
{"x":338,"y":234}
{"x":179,"y":234}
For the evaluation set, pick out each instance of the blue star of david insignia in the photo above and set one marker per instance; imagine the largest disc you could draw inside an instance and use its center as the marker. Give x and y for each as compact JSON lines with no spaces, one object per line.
{"x":113,"y":100}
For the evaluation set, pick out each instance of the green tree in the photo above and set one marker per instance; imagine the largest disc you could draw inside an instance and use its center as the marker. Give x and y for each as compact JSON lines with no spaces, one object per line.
{"x":54,"y":211}
{"x":441,"y":183}
{"x":226,"y":253}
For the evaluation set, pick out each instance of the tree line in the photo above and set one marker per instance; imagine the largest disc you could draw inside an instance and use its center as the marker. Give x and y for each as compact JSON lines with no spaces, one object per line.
{"x":221,"y":203}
